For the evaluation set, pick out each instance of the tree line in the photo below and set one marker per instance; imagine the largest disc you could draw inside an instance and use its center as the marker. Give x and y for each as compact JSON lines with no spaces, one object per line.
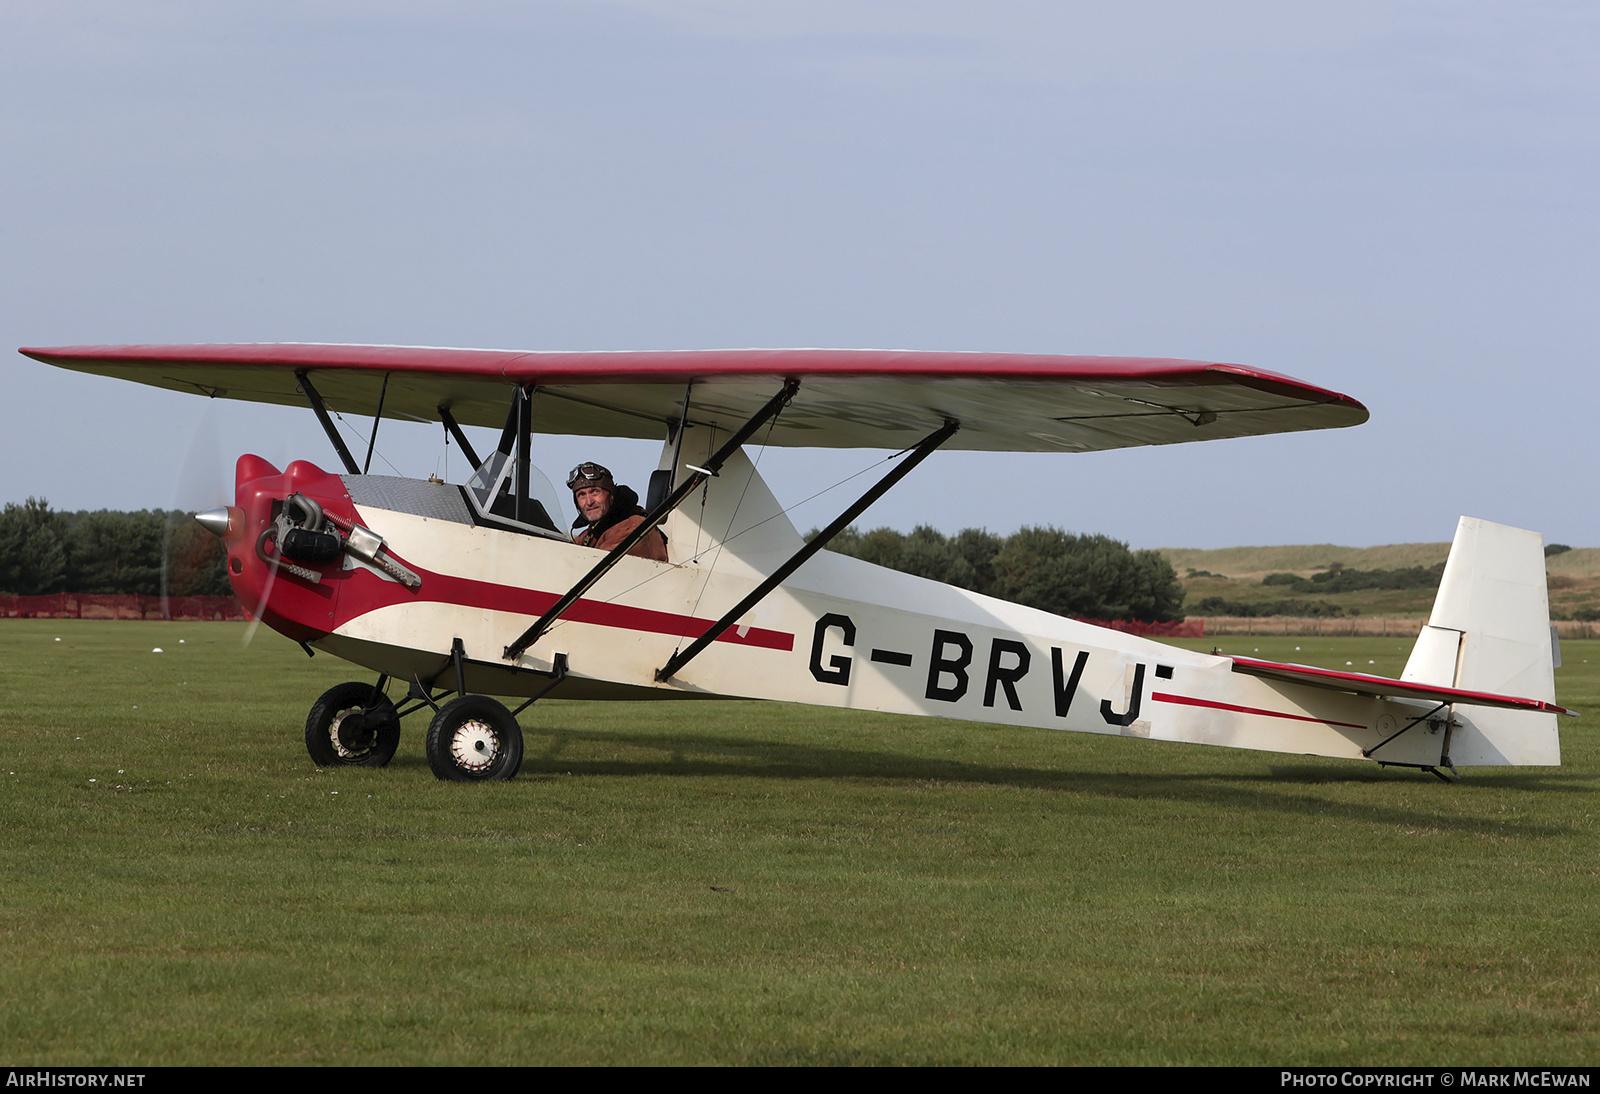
{"x":107,"y":551}
{"x":1256,"y":609}
{"x":1088,"y":576}
{"x":153,"y":552}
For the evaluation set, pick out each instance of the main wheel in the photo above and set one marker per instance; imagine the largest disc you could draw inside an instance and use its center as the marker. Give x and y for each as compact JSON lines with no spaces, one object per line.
{"x":472,"y":739}
{"x":352,"y":725}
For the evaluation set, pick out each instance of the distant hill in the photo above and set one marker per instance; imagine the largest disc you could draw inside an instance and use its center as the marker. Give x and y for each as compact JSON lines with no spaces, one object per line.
{"x":1578,"y":562}
{"x":1256,"y":562}
{"x":1234,"y":574}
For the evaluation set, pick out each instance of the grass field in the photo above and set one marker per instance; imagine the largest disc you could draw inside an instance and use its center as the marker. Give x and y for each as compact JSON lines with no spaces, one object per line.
{"x":760,"y":883}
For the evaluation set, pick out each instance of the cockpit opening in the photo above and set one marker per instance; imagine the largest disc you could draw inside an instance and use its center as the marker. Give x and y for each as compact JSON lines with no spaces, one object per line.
{"x":507,"y":490}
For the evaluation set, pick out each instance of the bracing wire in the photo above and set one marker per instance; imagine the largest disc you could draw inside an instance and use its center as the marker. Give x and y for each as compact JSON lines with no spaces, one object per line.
{"x":352,"y":431}
{"x":804,"y":501}
{"x":733,"y":516}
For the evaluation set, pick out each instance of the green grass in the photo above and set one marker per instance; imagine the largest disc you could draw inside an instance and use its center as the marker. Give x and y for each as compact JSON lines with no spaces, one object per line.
{"x":759,"y":883}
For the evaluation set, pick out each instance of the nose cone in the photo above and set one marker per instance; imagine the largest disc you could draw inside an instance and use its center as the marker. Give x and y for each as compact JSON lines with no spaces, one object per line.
{"x":214,"y":521}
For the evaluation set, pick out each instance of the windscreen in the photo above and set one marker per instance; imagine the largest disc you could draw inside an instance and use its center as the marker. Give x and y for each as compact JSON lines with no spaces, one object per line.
{"x":491,"y":490}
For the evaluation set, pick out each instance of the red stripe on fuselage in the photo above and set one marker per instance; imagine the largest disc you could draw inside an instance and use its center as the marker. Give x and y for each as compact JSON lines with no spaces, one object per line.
{"x":1189,"y":701}
{"x":366,"y":592}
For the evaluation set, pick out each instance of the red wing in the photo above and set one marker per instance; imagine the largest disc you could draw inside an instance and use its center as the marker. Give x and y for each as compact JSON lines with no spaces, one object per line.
{"x":847,"y":398}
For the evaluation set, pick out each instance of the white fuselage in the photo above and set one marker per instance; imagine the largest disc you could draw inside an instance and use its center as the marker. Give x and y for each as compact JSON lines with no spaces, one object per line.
{"x":839,"y":632}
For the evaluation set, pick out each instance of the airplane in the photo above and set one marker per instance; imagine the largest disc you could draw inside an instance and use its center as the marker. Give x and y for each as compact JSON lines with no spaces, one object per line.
{"x":454,"y":593}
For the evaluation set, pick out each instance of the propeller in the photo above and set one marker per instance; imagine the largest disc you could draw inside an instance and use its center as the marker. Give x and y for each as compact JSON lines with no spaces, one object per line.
{"x":261,"y":608}
{"x":201,"y":480}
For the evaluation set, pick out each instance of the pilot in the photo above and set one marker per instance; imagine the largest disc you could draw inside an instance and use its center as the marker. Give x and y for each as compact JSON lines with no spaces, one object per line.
{"x":608,"y":512}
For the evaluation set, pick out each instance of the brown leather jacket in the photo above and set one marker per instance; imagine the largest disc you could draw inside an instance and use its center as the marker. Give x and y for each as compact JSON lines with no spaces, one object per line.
{"x":653,"y":546}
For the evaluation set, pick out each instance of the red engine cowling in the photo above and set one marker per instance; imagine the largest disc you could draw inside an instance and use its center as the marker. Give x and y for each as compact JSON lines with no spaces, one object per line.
{"x":296,"y":596}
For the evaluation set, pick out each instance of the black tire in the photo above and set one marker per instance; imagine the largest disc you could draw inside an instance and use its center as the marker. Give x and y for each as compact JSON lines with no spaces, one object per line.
{"x":369,"y":741}
{"x":474,"y":739}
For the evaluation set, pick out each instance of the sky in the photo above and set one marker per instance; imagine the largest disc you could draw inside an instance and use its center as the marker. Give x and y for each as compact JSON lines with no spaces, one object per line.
{"x":1394,"y":200}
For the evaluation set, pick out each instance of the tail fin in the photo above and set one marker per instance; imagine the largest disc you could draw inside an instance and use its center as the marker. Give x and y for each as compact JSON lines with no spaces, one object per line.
{"x":1490,"y":631}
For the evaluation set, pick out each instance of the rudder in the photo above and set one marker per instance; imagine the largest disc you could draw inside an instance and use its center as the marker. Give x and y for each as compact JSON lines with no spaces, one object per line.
{"x":1490,"y":631}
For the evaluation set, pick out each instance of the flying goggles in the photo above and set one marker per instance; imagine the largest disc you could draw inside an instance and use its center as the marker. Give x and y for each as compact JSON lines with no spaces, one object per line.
{"x":587,"y":473}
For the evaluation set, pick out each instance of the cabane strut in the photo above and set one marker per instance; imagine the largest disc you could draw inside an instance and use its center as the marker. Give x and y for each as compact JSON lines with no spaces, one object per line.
{"x":321,"y":411}
{"x":654,"y":518}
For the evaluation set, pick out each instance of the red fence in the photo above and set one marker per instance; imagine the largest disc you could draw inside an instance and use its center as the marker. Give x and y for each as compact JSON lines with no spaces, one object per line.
{"x":120,"y":606}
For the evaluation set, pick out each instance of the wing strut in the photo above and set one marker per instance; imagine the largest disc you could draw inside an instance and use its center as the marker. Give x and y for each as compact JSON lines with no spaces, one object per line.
{"x":321,"y":411}
{"x":921,"y":452}
{"x":654,"y":517}
{"x":524,"y":412}
{"x":465,"y":445}
{"x":377,"y":416}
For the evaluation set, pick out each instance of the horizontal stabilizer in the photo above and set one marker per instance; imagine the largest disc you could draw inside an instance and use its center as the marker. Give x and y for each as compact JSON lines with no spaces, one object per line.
{"x":1361,"y":683}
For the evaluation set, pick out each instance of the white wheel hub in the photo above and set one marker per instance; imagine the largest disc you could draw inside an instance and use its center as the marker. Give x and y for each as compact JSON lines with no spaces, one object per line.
{"x":474,"y":745}
{"x":333,"y":735}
